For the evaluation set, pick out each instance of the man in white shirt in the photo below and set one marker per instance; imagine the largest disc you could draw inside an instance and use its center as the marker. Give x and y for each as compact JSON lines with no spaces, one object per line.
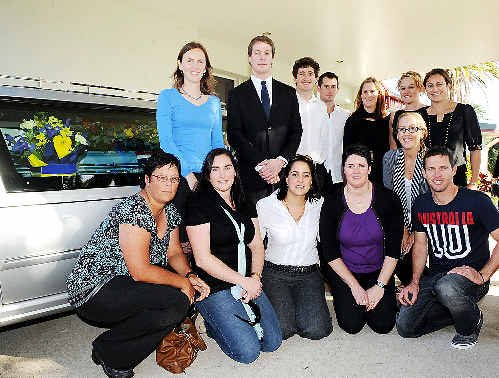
{"x":312,"y":113}
{"x":332,"y":139}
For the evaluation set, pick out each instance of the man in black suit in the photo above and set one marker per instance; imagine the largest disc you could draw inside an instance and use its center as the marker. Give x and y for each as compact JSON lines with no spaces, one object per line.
{"x":264,"y":125}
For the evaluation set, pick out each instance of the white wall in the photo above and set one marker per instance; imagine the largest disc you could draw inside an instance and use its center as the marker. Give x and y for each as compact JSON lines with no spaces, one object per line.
{"x":125,"y":44}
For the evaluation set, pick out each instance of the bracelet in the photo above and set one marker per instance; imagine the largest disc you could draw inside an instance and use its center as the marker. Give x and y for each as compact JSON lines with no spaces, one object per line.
{"x":190,"y":273}
{"x":481,"y":275}
{"x":259,"y":275}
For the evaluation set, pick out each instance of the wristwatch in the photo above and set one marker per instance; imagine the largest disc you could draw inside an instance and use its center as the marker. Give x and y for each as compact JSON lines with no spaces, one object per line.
{"x":380,"y":284}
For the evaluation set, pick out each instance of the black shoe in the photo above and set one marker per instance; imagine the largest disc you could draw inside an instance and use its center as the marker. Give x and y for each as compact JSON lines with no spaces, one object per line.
{"x":109,"y":371}
{"x":466,"y":342}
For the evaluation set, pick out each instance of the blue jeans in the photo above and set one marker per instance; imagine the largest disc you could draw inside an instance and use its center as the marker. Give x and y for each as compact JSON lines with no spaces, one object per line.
{"x":443,"y":300}
{"x":299,"y":301}
{"x":238,"y":339}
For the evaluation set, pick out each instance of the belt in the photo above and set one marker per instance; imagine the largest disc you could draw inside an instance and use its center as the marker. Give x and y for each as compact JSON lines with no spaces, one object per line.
{"x":292,"y":268}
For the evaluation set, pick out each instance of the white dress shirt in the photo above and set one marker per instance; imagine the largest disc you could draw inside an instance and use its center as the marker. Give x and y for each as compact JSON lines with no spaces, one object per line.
{"x":333,"y":141}
{"x":313,"y":120}
{"x":289,"y":243}
{"x":258,"y":86}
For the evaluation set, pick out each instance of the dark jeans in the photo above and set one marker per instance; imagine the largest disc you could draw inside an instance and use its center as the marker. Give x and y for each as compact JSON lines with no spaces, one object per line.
{"x":238,"y":339}
{"x":299,"y":302}
{"x":138,"y":316}
{"x":443,"y":300}
{"x":352,"y":317}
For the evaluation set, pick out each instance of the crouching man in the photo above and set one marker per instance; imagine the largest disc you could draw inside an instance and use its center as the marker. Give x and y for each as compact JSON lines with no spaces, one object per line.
{"x":452,"y":224}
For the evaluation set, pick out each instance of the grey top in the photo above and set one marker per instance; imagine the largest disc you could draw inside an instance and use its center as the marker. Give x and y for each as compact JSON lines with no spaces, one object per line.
{"x":101,"y":259}
{"x":389,"y":161}
{"x":394,"y":179}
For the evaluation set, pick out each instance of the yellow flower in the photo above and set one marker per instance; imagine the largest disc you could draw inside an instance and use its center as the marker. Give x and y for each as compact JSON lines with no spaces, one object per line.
{"x":35,"y":162}
{"x":42,"y":140}
{"x":55,"y":121}
{"x":128,"y":133}
{"x":62,"y":146}
{"x":66,"y":132}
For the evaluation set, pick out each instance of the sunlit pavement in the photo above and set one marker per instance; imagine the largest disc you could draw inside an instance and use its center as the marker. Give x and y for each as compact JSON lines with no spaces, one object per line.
{"x":61,"y":348}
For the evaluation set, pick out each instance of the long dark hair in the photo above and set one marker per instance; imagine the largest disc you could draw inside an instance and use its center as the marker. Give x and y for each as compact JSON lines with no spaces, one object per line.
{"x":313,"y":194}
{"x":236,"y":191}
{"x":207,"y":81}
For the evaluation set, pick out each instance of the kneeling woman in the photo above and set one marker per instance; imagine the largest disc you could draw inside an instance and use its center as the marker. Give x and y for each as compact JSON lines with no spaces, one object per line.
{"x":361,"y":229}
{"x":225,"y":238}
{"x":291,"y":278}
{"x":119,"y":281}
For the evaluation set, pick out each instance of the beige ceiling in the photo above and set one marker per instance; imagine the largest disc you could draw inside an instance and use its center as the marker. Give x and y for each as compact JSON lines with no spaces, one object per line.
{"x":381,"y":38}
{"x":134,"y":43}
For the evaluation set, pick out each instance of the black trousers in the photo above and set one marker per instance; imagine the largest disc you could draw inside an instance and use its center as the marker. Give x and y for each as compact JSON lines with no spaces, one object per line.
{"x":352,"y":317}
{"x":460,"y":178}
{"x":139,"y":315}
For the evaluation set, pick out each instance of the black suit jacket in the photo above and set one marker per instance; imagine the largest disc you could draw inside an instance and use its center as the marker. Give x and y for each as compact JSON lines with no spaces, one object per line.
{"x":256,"y":138}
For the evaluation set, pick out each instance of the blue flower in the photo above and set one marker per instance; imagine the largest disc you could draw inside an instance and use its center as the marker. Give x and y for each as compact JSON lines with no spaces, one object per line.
{"x":9,"y":138}
{"x":20,"y":146}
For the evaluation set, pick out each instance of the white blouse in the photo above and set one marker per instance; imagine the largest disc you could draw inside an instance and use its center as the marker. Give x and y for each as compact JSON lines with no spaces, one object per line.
{"x":289,"y":243}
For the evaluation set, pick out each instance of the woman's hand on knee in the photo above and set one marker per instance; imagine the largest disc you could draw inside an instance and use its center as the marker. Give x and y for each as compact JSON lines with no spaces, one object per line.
{"x":188,"y":290}
{"x":200,"y":286}
{"x":374,"y":295}
{"x":252,"y":288}
{"x":360,"y":295}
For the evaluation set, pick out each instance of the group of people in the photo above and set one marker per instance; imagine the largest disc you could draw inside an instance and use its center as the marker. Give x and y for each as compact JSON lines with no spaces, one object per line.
{"x":313,"y":193}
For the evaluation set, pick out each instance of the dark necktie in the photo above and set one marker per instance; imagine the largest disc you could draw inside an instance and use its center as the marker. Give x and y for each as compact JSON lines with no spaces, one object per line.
{"x":265,"y":99}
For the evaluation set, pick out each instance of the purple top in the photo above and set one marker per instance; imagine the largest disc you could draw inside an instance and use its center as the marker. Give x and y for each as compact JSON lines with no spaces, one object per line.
{"x":361,"y":241}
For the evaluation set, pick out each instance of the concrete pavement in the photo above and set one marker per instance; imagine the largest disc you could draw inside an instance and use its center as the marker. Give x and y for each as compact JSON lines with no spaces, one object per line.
{"x":61,"y":348}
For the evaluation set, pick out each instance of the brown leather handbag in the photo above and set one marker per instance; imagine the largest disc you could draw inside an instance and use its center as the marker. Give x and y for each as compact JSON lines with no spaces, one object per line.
{"x":179,"y":348}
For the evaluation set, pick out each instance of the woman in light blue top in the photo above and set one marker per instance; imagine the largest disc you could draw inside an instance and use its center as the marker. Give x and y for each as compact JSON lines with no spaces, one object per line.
{"x":189,"y":119}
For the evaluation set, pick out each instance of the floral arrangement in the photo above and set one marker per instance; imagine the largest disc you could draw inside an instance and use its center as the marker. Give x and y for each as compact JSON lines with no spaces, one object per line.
{"x":131,"y":135}
{"x":47,"y":140}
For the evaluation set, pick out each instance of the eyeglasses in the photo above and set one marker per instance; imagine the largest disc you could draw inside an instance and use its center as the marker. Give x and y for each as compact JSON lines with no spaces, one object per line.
{"x":256,"y":310}
{"x":411,"y":130}
{"x":165,"y":179}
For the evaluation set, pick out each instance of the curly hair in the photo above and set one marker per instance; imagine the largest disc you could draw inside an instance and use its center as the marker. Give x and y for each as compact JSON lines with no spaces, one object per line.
{"x":313,"y":194}
{"x":418,"y":80}
{"x":207,"y":81}
{"x":304,"y":63}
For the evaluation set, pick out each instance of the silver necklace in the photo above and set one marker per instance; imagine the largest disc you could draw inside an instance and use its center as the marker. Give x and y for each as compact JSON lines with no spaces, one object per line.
{"x":447,"y":127}
{"x":190,"y":96}
{"x":442,"y":203}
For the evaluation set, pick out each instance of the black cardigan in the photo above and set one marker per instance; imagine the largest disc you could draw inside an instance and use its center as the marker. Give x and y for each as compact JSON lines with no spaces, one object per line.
{"x":387,"y":208}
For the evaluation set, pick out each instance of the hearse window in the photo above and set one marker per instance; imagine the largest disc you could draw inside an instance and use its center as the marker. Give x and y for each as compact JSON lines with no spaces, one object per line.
{"x":64,"y":146}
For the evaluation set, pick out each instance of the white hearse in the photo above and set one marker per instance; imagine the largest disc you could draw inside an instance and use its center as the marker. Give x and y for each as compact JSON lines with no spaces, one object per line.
{"x":54,"y":195}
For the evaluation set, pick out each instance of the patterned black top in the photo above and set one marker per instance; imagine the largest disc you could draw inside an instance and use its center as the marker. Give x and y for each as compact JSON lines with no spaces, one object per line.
{"x":101,"y":259}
